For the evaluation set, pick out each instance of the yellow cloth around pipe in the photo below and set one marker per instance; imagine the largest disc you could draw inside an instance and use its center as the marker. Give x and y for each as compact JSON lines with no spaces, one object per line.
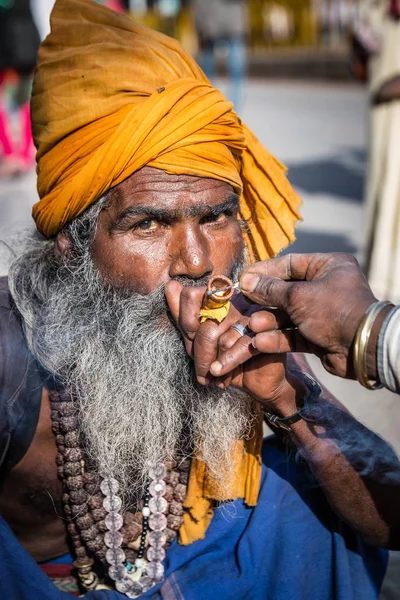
{"x":217,"y":314}
{"x":111,"y":96}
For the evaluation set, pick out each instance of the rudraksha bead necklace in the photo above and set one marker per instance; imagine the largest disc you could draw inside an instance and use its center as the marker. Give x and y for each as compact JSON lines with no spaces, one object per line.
{"x":95,"y":523}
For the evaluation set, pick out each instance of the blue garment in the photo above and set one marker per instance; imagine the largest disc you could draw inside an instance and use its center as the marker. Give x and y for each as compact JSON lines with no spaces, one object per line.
{"x":65,"y":559}
{"x":290,"y":547}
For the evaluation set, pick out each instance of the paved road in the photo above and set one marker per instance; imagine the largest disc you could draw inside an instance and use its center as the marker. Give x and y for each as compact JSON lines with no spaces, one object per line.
{"x":319,"y":131}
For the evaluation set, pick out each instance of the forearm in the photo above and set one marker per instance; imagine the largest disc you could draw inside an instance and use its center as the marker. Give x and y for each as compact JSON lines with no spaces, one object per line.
{"x":358,"y":472}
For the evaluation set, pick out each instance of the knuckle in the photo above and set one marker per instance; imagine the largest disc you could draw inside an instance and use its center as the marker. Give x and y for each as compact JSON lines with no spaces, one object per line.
{"x":343,"y":257}
{"x":190,"y":292}
{"x":229,"y":358}
{"x":264,"y":286}
{"x":186,"y":295}
{"x":237,"y":353}
{"x":276,"y":341}
{"x":225,"y":342}
{"x":288,"y":266}
{"x":295,"y":293}
{"x":202,"y":368}
{"x":207,"y":334}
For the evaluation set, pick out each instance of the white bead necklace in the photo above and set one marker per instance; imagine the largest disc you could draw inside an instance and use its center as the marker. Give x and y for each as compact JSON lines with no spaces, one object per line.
{"x":134,"y":580}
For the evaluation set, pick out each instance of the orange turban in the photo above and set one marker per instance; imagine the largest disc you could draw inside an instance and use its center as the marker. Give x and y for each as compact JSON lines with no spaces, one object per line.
{"x":111,"y":96}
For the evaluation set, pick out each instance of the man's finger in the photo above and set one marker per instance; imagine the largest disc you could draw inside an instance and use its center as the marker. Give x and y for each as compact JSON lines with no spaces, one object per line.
{"x":205,"y":350}
{"x":266,"y":320}
{"x":230,"y":337}
{"x":288,"y":267}
{"x":191,"y":300}
{"x":241,"y":351}
{"x":173,"y":291}
{"x":207,"y":340}
{"x":265,"y":290}
{"x":279,"y":342}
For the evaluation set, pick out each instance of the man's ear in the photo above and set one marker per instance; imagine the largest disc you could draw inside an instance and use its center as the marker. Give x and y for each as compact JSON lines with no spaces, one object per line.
{"x":63,"y":244}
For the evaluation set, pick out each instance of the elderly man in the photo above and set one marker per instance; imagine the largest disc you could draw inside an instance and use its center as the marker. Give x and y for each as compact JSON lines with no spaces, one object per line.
{"x":120,"y":453}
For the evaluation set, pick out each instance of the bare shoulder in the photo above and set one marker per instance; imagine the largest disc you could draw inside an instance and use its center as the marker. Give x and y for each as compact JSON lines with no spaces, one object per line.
{"x":30,"y":497}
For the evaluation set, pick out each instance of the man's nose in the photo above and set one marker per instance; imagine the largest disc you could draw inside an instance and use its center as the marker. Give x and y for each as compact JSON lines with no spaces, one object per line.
{"x":190,"y":254}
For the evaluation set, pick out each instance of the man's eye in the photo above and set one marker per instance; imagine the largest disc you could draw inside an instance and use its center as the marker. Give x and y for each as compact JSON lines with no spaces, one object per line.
{"x":221,"y":218}
{"x":148,"y":225}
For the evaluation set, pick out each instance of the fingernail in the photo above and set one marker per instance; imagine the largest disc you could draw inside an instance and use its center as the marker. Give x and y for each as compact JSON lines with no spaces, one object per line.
{"x":216,"y":368}
{"x":254,"y":342}
{"x":248,"y":282}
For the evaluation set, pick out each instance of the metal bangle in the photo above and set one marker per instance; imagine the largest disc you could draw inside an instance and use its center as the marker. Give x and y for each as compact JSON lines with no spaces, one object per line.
{"x":361,"y":341}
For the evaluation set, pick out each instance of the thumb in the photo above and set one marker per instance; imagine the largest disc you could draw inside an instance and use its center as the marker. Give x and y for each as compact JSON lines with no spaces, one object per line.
{"x":173,"y":291}
{"x":264,"y":290}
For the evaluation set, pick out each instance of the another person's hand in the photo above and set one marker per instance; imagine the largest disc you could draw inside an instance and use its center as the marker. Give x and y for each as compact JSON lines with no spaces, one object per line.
{"x":263,"y":376}
{"x":324,"y":296}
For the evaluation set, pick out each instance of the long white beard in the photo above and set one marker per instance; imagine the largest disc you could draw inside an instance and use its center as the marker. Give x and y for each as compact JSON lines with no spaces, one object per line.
{"x":126,"y":365}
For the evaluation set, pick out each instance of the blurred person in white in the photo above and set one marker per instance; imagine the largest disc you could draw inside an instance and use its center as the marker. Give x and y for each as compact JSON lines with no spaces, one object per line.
{"x":223,"y":23}
{"x":41,"y":10}
{"x":383,"y":184}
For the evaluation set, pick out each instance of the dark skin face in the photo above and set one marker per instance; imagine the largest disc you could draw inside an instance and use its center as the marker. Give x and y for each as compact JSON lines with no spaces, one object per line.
{"x":163,"y":229}
{"x":159,"y":227}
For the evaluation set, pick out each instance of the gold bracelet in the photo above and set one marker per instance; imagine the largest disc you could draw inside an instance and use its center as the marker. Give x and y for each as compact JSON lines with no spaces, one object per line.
{"x":361,"y":340}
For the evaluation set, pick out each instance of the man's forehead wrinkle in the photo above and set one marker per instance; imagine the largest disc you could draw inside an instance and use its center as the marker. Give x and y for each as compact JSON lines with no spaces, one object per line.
{"x":150,"y":180}
{"x":173,"y":187}
{"x":151,"y":174}
{"x":161,"y":196}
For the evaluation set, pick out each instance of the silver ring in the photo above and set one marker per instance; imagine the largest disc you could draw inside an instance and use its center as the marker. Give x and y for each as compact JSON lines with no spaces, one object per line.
{"x":241,"y":329}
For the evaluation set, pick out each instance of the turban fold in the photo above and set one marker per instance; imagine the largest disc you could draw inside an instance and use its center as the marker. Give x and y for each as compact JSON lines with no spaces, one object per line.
{"x":111,"y":96}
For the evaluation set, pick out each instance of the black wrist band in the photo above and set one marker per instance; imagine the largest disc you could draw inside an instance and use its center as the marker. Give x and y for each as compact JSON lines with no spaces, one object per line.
{"x":286,"y":422}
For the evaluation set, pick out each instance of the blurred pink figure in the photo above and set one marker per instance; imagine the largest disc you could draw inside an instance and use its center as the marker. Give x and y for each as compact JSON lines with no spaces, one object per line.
{"x":19,"y":41}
